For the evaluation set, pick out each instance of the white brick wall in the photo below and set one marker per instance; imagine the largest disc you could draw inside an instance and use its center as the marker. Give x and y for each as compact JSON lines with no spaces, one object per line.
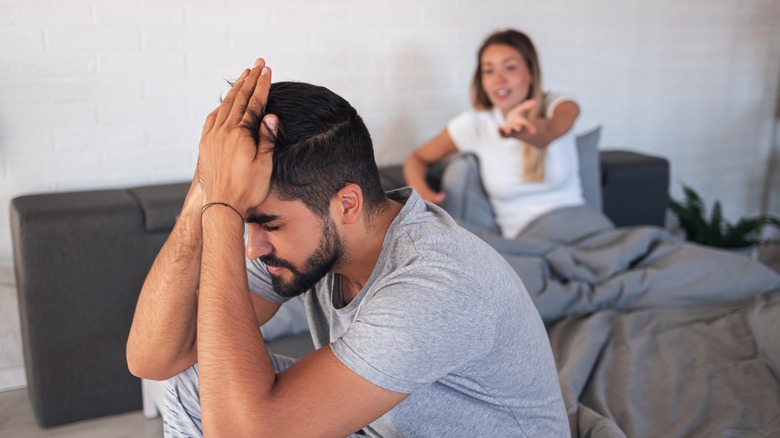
{"x":104,"y":94}
{"x":11,"y":354}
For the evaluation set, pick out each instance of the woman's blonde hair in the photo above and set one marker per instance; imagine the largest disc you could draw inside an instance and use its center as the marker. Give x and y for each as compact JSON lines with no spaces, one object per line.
{"x":533,"y":157}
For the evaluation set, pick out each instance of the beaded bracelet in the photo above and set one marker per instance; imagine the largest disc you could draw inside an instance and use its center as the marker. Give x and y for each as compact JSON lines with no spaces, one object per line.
{"x":202,"y":210}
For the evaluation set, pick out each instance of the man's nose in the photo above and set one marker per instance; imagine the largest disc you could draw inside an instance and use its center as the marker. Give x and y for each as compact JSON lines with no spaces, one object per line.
{"x":257,"y":244}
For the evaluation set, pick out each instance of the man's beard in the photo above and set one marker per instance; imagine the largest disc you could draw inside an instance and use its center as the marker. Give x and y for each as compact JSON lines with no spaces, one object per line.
{"x":325,"y":257}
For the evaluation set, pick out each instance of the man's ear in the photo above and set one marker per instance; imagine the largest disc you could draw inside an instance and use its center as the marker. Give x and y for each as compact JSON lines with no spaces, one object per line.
{"x":349,"y":203}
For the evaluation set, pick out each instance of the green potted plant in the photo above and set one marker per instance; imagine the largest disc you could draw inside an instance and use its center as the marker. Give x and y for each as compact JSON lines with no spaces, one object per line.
{"x":716,"y":230}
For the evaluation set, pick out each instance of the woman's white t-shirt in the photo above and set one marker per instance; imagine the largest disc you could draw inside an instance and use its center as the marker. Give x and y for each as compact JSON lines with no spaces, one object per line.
{"x":516,"y":202}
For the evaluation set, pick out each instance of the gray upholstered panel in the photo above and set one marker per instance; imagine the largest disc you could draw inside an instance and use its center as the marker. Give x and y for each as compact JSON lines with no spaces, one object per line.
{"x":635,"y":188}
{"x":80,"y":260}
{"x":160,"y":204}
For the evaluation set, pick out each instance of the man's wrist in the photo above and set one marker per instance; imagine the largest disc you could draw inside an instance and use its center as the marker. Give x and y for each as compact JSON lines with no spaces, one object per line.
{"x":224,"y":206}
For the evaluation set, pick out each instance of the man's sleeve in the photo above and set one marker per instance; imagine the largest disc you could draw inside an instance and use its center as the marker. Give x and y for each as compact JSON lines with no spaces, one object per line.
{"x":418,"y":329}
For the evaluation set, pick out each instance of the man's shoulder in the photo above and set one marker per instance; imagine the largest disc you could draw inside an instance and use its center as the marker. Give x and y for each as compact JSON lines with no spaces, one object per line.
{"x":425,"y":240}
{"x":422,"y":226}
{"x":436,"y":243}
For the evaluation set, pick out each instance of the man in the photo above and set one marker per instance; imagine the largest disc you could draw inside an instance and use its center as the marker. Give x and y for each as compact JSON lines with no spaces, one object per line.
{"x":421,"y":328}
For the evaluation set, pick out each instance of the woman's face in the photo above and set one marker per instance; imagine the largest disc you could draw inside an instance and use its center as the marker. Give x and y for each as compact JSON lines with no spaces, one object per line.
{"x":505,"y":76}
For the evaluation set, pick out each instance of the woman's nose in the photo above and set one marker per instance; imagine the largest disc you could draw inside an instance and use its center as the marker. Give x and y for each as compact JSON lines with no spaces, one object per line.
{"x":257,"y":244}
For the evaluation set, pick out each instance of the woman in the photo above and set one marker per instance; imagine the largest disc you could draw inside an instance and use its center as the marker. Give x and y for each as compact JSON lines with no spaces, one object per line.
{"x":523,"y":137}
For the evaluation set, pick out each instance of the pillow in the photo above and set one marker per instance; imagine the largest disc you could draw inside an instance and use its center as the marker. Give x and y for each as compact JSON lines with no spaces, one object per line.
{"x":590,"y":171}
{"x":466,"y":200}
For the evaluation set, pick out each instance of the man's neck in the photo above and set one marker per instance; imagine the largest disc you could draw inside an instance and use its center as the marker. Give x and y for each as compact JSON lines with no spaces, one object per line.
{"x":363,"y":250}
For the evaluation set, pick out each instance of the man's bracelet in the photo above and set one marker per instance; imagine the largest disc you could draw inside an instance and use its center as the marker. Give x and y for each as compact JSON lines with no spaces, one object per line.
{"x":202,"y":210}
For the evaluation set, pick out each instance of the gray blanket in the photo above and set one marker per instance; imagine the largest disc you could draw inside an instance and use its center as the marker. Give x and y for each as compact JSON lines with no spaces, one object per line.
{"x":653,"y":336}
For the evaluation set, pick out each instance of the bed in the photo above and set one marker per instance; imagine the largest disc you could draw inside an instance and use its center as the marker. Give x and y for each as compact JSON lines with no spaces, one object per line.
{"x":653,"y":336}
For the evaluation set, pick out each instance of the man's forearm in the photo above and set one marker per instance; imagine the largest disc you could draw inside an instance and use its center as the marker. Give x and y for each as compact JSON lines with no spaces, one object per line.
{"x":162,"y":336}
{"x":235,"y":371}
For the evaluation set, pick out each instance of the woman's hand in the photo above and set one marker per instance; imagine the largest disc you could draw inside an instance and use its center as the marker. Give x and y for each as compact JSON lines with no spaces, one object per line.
{"x":236,"y":146}
{"x":517,"y":120}
{"x":518,"y":125}
{"x":541,"y":131}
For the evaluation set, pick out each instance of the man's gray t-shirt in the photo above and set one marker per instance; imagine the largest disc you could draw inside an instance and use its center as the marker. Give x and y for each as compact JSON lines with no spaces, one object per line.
{"x":445,"y":319}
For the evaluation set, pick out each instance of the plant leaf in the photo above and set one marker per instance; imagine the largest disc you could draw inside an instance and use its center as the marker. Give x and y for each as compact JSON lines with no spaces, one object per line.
{"x":717,"y":227}
{"x":717,"y":231}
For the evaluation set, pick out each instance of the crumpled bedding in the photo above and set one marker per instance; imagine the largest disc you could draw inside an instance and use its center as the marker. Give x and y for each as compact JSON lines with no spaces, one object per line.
{"x":652,"y":336}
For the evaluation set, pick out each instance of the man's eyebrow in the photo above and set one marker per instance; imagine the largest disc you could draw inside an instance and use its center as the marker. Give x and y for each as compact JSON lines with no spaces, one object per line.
{"x":261,"y":218}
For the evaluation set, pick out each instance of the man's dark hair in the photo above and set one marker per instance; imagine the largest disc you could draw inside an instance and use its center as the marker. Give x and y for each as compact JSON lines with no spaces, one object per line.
{"x":321,"y":145}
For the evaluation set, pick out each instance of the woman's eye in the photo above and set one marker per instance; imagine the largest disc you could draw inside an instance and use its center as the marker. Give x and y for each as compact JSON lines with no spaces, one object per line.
{"x":487,"y":72}
{"x":511,"y":67}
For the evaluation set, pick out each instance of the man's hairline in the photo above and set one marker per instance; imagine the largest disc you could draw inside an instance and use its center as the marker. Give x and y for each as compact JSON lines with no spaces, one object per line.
{"x":264,"y":218}
{"x":369,"y":213}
